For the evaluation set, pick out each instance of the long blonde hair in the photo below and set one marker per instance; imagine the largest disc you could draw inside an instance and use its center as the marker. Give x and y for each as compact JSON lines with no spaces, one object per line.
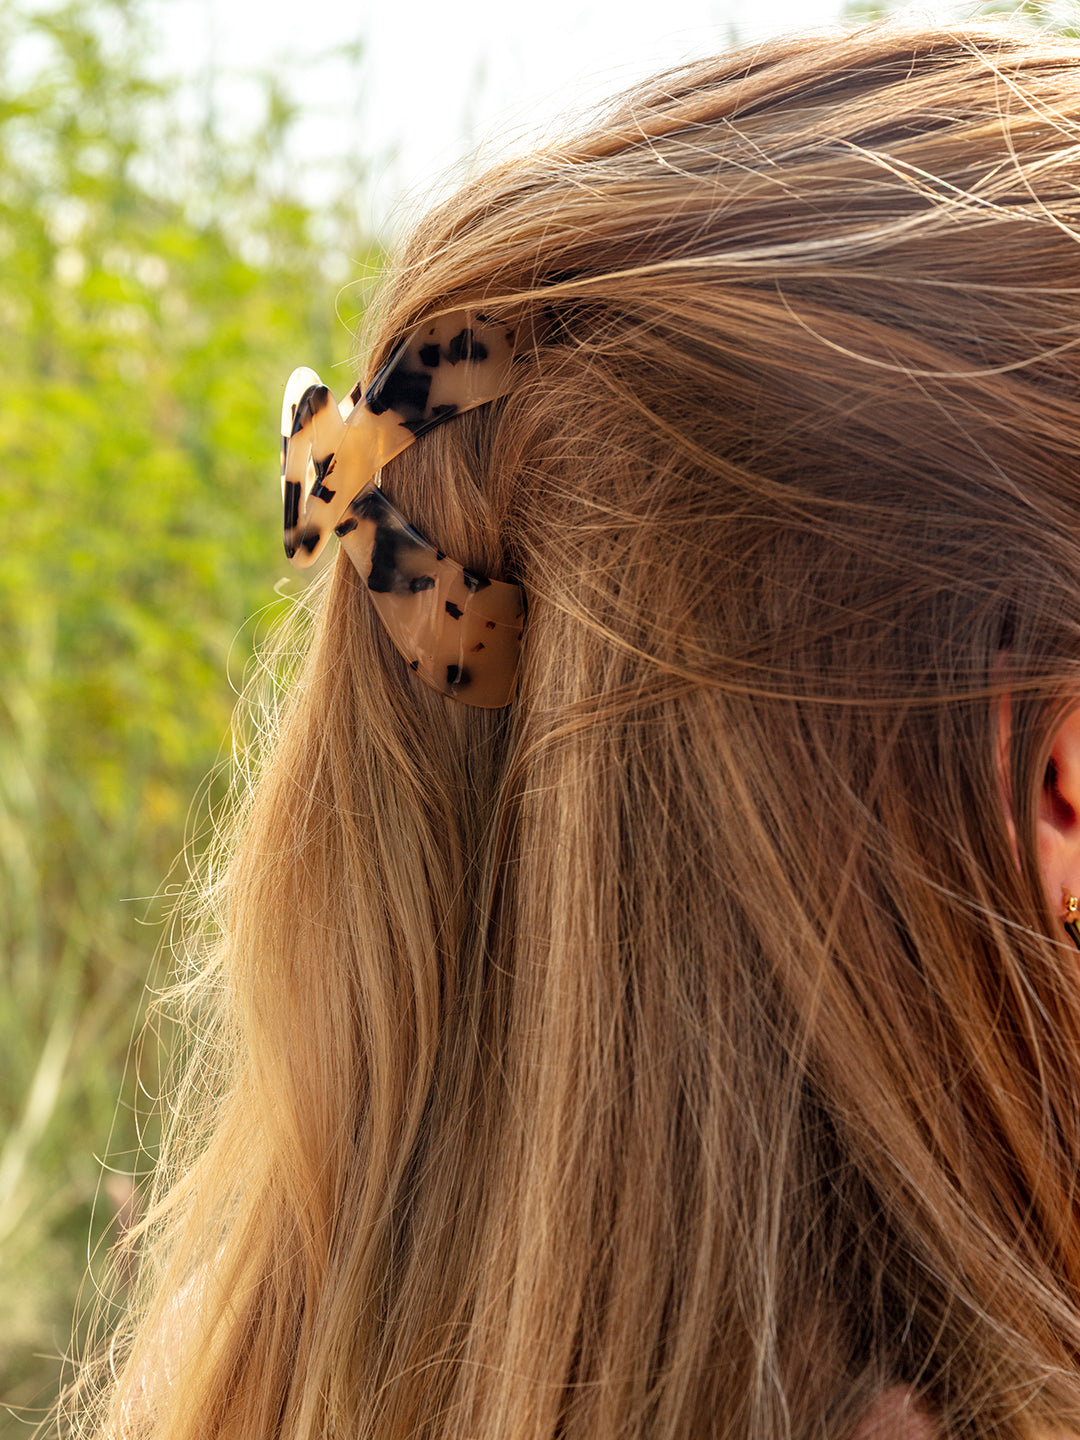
{"x":682,"y":1051}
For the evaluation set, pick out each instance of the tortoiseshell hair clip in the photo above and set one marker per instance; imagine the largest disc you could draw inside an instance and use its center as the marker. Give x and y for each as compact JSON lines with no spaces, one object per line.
{"x":458,"y":630}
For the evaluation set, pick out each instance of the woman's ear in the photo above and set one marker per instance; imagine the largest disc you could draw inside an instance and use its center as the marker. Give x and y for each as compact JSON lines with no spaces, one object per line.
{"x":1058,"y":827}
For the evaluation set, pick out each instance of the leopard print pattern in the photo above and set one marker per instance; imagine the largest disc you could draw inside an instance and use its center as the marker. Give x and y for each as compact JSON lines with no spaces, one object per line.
{"x":459,"y":631}
{"x":446,"y":366}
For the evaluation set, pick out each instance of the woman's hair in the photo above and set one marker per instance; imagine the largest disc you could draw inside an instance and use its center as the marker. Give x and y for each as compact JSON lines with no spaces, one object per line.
{"x":686,"y":1050}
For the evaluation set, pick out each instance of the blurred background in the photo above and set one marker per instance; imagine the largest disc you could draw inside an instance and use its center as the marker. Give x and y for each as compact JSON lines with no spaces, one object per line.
{"x":194,"y":198}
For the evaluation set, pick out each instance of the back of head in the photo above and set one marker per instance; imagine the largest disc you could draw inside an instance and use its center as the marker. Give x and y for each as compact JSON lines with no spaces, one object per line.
{"x":681,"y":1051}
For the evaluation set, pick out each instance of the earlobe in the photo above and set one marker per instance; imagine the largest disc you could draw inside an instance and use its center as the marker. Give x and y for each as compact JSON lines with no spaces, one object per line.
{"x":1058,"y":825}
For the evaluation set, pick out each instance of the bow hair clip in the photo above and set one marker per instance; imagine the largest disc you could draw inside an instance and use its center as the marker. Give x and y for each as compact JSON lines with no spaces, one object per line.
{"x":458,"y":630}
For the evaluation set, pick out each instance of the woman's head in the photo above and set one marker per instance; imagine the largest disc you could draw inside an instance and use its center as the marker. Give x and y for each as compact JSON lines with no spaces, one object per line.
{"x":689,"y":1048}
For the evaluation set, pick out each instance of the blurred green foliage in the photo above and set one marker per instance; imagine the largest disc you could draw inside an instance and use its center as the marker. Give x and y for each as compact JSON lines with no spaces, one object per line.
{"x":157,"y":284}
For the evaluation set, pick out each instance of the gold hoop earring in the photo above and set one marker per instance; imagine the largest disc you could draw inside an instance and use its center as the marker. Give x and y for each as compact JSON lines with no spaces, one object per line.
{"x":1071,"y":917}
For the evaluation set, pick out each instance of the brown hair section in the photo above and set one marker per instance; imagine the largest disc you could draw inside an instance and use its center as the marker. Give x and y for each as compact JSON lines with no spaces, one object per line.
{"x":681,"y":1052}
